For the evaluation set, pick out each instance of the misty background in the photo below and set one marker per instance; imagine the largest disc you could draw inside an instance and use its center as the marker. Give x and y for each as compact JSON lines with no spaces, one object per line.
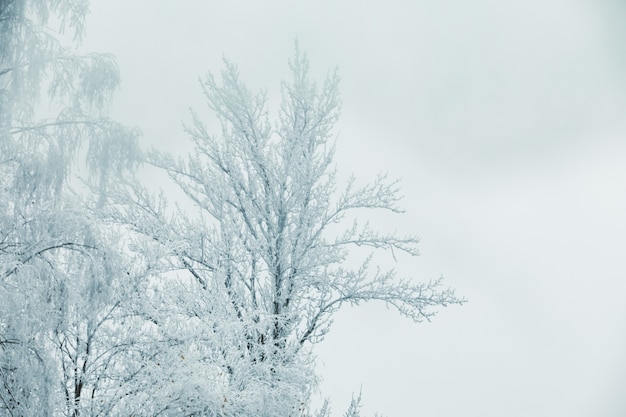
{"x":506,"y":121}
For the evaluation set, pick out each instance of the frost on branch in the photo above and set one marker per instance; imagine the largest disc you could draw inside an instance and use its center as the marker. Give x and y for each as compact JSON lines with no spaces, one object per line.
{"x":264,"y":256}
{"x":63,"y":285}
{"x":53,"y":101}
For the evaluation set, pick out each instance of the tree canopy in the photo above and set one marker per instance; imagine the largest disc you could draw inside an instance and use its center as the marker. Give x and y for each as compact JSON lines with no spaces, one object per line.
{"x":115,"y":301}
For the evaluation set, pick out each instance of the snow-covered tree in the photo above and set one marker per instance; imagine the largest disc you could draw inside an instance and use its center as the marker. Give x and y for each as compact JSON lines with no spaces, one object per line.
{"x":274,"y":250}
{"x":61,"y":279}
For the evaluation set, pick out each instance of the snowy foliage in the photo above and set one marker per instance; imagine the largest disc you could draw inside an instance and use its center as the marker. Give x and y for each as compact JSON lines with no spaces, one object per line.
{"x":268,"y":257}
{"x":115,"y":302}
{"x":40,"y":144}
{"x":61,"y":281}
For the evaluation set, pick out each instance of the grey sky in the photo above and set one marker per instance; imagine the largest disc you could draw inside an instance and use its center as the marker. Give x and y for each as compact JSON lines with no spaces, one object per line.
{"x":506,"y":121}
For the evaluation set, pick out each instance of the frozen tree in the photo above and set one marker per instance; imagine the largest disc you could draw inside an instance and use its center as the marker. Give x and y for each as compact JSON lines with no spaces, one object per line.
{"x":38,"y":144}
{"x":61,"y":280}
{"x":274,"y":250}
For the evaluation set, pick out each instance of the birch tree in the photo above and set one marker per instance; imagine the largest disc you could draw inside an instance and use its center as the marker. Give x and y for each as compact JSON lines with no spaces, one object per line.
{"x":273,"y":253}
{"x":60,"y":276}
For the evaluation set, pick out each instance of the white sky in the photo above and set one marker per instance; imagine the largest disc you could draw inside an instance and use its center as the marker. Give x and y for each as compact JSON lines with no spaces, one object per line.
{"x":506,"y":121}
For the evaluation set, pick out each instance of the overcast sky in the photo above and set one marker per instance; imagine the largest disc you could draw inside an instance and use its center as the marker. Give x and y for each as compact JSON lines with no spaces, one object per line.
{"x":506,"y":121}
